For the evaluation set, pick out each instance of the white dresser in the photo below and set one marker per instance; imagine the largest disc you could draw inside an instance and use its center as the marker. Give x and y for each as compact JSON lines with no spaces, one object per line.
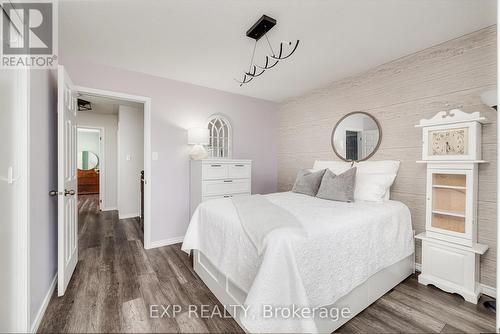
{"x":219,"y":178}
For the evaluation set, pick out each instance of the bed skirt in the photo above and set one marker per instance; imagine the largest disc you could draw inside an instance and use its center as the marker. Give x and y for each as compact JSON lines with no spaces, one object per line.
{"x":229,"y":294}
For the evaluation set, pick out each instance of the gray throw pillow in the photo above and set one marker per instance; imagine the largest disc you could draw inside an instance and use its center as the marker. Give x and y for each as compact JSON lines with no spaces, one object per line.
{"x":338,"y":187}
{"x":308,"y":182}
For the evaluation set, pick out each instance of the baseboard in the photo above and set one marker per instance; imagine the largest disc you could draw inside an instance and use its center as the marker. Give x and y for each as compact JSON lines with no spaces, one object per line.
{"x":128,"y":215}
{"x":166,"y":242}
{"x":485,"y":289}
{"x":488,"y":290}
{"x":111,"y":208}
{"x":39,"y":316}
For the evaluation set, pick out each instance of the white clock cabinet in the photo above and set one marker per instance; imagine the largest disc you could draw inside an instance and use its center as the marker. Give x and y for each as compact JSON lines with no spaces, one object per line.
{"x":451,"y":148}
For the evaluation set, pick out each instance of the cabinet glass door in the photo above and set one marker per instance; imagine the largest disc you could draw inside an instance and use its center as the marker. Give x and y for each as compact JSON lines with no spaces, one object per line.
{"x":449,"y":199}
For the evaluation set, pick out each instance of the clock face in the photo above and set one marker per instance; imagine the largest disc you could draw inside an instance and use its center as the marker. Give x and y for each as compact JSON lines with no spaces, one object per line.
{"x":448,"y":142}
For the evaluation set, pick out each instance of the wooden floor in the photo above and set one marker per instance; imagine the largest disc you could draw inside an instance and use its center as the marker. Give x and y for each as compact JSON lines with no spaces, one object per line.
{"x":116,"y":280}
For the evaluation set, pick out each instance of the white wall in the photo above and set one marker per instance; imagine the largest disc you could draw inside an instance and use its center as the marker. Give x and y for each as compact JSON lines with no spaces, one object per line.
{"x":110,"y":124}
{"x":398,"y":94}
{"x":130,"y":160}
{"x":42,"y":178}
{"x":89,"y":141}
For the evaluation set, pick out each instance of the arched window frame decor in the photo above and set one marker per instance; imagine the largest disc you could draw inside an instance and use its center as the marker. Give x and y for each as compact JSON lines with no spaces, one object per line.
{"x":220,"y":136}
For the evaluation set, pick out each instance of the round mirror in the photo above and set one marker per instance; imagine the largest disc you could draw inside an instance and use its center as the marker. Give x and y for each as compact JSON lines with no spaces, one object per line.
{"x":356,"y":136}
{"x":87,"y":160}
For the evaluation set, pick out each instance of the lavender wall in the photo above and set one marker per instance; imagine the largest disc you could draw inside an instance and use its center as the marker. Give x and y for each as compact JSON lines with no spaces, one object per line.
{"x":130,"y":160}
{"x":42,"y":178}
{"x":177,"y":106}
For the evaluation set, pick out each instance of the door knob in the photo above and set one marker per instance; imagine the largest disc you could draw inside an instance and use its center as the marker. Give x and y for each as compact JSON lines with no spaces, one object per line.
{"x":69,"y":192}
{"x":53,"y":193}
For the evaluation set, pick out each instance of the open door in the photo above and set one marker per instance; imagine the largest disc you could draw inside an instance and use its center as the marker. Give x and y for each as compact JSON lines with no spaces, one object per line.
{"x":67,"y":180}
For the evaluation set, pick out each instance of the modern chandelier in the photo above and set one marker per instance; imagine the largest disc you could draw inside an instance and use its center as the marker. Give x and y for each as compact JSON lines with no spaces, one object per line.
{"x":258,"y":30}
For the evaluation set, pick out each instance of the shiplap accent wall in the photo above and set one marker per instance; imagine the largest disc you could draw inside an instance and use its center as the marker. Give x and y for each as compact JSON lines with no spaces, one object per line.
{"x":399,"y":94}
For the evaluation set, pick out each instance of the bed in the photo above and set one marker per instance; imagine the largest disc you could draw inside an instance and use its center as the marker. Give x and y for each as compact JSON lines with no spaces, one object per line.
{"x":350,"y":255}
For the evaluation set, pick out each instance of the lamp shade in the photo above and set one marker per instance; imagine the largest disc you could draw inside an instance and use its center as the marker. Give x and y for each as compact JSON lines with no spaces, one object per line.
{"x":198,"y":136}
{"x":490,"y":98}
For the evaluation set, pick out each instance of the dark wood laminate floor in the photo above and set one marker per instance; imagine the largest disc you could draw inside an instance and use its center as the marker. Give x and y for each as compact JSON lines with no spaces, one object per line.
{"x":116,"y":280}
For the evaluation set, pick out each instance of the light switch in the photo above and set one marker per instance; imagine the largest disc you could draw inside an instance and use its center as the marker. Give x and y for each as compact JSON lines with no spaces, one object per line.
{"x":129,"y":157}
{"x":155,"y":156}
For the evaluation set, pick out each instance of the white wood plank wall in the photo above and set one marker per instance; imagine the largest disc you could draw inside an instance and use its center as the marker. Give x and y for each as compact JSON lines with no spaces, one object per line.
{"x":399,"y":94}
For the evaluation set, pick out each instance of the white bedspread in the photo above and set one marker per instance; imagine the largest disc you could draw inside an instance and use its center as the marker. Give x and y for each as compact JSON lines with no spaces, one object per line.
{"x":260,"y":218}
{"x":346,"y":243}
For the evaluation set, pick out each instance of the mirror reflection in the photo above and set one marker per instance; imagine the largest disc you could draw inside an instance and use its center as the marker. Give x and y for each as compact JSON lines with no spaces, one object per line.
{"x":87,"y":160}
{"x":356,"y":136}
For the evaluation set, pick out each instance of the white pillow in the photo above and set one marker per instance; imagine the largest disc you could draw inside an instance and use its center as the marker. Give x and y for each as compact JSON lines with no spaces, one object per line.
{"x":387,"y":195}
{"x":390,"y":167}
{"x":376,"y":179}
{"x":372,"y":187}
{"x":337,"y":167}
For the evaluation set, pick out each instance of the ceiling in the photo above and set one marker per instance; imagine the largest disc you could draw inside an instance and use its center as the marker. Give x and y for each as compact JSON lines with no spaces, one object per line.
{"x":204,"y":43}
{"x":106,"y":105}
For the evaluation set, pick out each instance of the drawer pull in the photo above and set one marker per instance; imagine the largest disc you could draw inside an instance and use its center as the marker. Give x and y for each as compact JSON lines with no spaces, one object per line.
{"x":239,"y":165}
{"x":228,"y":180}
{"x":227,"y":196}
{"x":215,"y":165}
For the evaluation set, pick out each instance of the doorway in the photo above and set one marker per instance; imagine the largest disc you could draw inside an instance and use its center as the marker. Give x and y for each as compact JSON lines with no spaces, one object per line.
{"x":69,"y":107}
{"x":90,"y":164}
{"x":351,"y":145}
{"x":110,"y":156}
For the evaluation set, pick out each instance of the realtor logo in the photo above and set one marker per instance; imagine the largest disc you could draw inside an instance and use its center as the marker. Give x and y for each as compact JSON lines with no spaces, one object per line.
{"x":28,"y":34}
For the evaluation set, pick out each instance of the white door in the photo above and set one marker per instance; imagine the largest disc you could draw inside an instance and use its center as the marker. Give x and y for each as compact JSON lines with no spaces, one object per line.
{"x":67,"y":185}
{"x":370,"y":140}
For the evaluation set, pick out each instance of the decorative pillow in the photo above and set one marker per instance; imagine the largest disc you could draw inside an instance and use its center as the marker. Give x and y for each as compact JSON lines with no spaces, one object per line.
{"x":338,"y":187}
{"x":337,"y":167}
{"x":372,"y":187}
{"x":308,"y":182}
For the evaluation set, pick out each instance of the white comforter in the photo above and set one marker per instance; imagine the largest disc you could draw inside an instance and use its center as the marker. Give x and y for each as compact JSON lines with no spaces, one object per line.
{"x":346,"y":243}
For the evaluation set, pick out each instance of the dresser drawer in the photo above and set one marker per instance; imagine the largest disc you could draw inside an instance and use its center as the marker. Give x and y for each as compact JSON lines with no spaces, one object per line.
{"x":214,"y":171}
{"x":226,"y":187}
{"x":207,"y":198}
{"x":239,"y":171}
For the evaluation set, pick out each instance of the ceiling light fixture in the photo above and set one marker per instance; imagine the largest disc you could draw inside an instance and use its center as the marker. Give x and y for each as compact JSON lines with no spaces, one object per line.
{"x":258,"y":30}
{"x":84,"y":105}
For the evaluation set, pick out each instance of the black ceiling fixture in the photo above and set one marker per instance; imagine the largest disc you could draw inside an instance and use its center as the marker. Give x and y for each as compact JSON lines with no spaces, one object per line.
{"x":84,"y":105}
{"x":258,"y":30}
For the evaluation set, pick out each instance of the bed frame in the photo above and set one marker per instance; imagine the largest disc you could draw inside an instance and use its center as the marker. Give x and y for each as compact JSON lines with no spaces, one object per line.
{"x":357,"y":300}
